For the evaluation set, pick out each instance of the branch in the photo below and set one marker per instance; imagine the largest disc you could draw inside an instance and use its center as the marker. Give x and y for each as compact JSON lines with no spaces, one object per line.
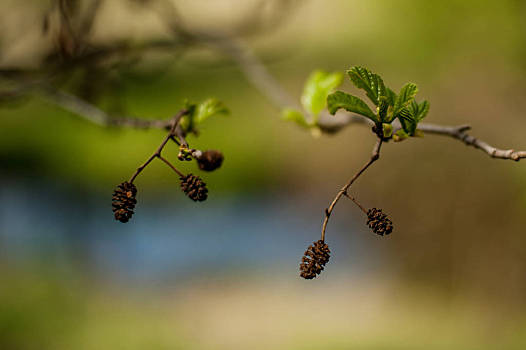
{"x":180,"y":134}
{"x":256,"y":73}
{"x":157,"y":154}
{"x":356,"y":202}
{"x":170,"y":165}
{"x":459,"y":133}
{"x":96,"y":115}
{"x":374,"y":157}
{"x":260,"y":77}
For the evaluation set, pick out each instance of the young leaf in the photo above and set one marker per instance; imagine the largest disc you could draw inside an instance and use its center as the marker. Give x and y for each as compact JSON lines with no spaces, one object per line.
{"x":364,"y":79}
{"x":408,"y":121}
{"x":400,"y":135}
{"x":350,"y":103}
{"x":406,"y":96}
{"x":419,"y":110}
{"x":209,"y":108}
{"x":423,"y":109}
{"x":318,"y":86}
{"x":294,"y":116}
{"x":391,"y":96}
{"x":188,"y":121}
{"x":387,"y":130}
{"x":383,"y":108}
{"x":411,"y":115}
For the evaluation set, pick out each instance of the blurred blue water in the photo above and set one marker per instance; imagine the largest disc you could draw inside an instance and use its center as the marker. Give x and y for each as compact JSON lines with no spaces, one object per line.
{"x":166,"y":241}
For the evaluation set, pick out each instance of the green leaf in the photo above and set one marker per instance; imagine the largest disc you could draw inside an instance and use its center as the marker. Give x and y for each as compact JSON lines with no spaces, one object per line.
{"x":419,"y":133}
{"x":387,"y":130}
{"x":318,"y":86}
{"x":188,"y":121}
{"x":391,"y":96}
{"x":209,"y":108}
{"x":406,"y":96}
{"x":383,"y":108}
{"x":408,"y":121}
{"x":410,"y":116}
{"x":294,"y":116}
{"x":400,"y":135}
{"x":350,"y":103}
{"x":372,"y":83}
{"x":419,"y":110}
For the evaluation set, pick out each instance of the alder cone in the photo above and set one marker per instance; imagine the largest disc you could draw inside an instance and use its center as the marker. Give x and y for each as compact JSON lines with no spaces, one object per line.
{"x":123,"y":201}
{"x":210,"y":160}
{"x":379,"y":222}
{"x":314,"y":260}
{"x":194,"y":187}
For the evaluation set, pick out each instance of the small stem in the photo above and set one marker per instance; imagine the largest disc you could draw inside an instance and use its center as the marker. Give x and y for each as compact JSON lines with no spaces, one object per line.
{"x":175,"y":140}
{"x":355,"y":202}
{"x":181,"y":136}
{"x":374,"y":157}
{"x":170,"y":165}
{"x":171,"y":133}
{"x":139,"y":169}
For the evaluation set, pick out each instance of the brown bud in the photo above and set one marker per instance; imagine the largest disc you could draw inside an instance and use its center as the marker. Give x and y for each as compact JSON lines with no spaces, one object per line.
{"x":210,"y":160}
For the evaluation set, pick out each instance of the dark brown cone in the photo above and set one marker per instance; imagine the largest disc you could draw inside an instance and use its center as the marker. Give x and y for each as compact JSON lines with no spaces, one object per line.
{"x":379,"y":222}
{"x":210,"y":160}
{"x":314,"y":260}
{"x":123,"y":201}
{"x":194,"y":187}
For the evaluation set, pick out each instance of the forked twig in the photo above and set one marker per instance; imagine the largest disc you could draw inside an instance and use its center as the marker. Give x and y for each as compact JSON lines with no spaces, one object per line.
{"x":157,"y":154}
{"x":343,"y":191}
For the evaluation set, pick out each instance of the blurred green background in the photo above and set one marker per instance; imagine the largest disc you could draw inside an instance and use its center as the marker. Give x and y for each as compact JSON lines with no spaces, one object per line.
{"x":224,"y":274}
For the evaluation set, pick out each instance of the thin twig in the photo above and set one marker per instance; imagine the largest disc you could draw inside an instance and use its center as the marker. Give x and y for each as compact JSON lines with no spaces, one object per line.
{"x":374,"y":157}
{"x":174,"y":122}
{"x":96,"y":115}
{"x":355,"y":202}
{"x":459,"y":133}
{"x":180,"y":134}
{"x":170,"y":165}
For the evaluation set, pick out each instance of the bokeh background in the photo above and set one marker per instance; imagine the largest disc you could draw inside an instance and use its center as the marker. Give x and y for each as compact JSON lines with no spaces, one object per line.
{"x":223,"y":274}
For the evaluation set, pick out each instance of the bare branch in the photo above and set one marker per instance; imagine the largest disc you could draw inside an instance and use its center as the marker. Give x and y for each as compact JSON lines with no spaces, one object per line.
{"x":343,"y":191}
{"x":96,"y":115}
{"x":356,"y":202}
{"x":459,"y":133}
{"x":174,"y":122}
{"x":167,"y":162}
{"x":256,"y":73}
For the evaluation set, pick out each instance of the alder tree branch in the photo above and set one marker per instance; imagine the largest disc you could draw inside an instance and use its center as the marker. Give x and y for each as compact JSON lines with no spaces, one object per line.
{"x":356,"y":202}
{"x":264,"y":81}
{"x":459,"y":133}
{"x":96,"y":115}
{"x":180,"y":134}
{"x":157,"y":154}
{"x":343,"y":191}
{"x":182,"y":36}
{"x":170,"y":165}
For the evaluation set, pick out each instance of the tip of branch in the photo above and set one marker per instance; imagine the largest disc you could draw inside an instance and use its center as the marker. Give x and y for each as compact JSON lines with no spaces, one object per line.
{"x":463,"y":128}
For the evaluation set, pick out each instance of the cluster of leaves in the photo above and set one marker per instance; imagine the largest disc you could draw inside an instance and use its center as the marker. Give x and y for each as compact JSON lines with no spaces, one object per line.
{"x":314,"y":98}
{"x":199,"y":112}
{"x":389,"y":105}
